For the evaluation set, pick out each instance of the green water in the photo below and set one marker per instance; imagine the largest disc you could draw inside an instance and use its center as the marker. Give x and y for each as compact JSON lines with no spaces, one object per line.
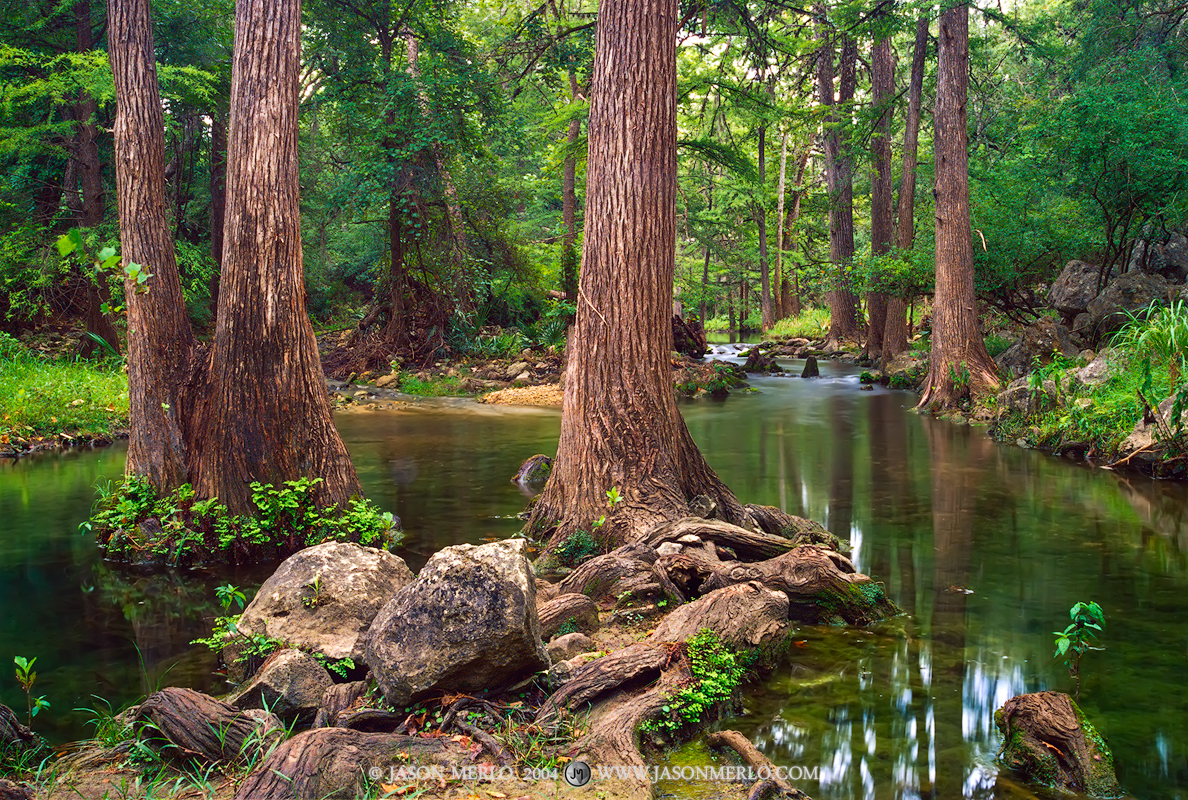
{"x":986,"y":547}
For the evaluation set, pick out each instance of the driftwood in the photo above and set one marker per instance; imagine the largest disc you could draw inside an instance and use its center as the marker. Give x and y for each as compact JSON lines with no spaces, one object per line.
{"x":202,"y":727}
{"x":746,"y":545}
{"x":773,"y":784}
{"x":337,"y":699}
{"x":333,"y":762}
{"x":798,"y":529}
{"x":15,"y":791}
{"x":12,"y":733}
{"x":1047,"y":739}
{"x":557,"y":613}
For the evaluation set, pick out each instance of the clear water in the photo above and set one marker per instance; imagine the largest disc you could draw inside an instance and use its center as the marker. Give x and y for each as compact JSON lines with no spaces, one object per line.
{"x":986,"y":547}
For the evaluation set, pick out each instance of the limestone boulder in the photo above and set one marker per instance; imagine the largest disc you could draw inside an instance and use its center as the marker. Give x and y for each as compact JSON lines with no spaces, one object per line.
{"x":1074,"y":289}
{"x":1168,"y":257}
{"x":467,"y":623}
{"x":1041,"y":342}
{"x":290,"y":684}
{"x":1123,"y":296}
{"x":573,"y":644}
{"x":323,"y":599}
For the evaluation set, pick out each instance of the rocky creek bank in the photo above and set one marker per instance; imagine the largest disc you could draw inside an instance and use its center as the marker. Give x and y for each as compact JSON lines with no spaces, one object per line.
{"x":476,"y":668}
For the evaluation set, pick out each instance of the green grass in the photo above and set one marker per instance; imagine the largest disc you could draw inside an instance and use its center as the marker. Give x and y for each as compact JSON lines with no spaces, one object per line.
{"x":812,"y":323}
{"x":436,"y":386}
{"x":42,"y":397}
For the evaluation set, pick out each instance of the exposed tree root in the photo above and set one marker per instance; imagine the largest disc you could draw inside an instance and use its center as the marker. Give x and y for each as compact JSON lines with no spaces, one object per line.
{"x":773,"y":786}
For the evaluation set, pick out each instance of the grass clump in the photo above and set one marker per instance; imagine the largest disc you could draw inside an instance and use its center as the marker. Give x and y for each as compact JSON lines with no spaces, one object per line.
{"x":432,"y":385}
{"x":135,"y":525}
{"x":41,"y":397}
{"x":812,"y":323}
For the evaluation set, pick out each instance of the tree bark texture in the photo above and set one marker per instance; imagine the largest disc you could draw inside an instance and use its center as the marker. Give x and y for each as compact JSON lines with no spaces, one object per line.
{"x":267,"y":416}
{"x":160,"y":340}
{"x":203,"y":727}
{"x":765,"y":305}
{"x":896,"y":332}
{"x":960,"y":365}
{"x":882,"y":209}
{"x":839,"y":178}
{"x":781,"y":196}
{"x":790,"y":290}
{"x":569,"y":278}
{"x":621,"y":427}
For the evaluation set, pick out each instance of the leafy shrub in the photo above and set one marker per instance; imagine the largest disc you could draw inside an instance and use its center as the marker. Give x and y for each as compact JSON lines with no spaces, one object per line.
{"x":133,"y":524}
{"x":717,"y":673}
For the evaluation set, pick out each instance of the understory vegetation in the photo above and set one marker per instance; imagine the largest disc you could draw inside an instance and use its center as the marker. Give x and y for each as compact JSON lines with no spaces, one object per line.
{"x":41,"y":396}
{"x":135,"y":525}
{"x":1145,"y":382}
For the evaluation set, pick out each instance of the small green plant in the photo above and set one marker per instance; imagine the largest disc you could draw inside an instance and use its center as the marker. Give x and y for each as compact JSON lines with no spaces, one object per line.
{"x":314,"y":598}
{"x":613,"y":497}
{"x":1073,"y":642}
{"x":229,"y":594}
{"x":717,"y":672}
{"x":26,"y":676}
{"x":579,"y":546}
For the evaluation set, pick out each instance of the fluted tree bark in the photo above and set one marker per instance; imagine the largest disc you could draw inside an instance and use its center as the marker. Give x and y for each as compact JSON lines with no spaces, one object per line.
{"x":254,"y":407}
{"x":620,"y":427}
{"x":960,"y":365}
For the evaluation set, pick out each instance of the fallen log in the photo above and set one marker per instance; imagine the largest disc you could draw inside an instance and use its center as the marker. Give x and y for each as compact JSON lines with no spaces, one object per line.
{"x":757,"y":761}
{"x":199,"y":726}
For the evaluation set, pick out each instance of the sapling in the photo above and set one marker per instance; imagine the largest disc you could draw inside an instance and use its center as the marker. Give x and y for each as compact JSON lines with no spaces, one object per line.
{"x":1073,"y":642}
{"x":25,"y":677}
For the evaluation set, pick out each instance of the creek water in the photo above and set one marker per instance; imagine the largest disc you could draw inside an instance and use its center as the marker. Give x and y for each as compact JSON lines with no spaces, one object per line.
{"x":984,"y":546}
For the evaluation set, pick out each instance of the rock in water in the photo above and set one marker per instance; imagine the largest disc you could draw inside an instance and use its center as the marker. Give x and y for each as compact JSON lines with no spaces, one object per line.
{"x":323,"y":599}
{"x":810,"y":368}
{"x":1047,"y":739}
{"x":535,"y":471}
{"x":467,"y":623}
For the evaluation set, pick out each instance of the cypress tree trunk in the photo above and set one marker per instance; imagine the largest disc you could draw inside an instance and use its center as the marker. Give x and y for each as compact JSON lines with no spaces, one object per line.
{"x":882,"y":213}
{"x":960,"y":365}
{"x":896,"y":330}
{"x":160,"y":341}
{"x":839,"y":177}
{"x":621,"y":428}
{"x":266,"y":416}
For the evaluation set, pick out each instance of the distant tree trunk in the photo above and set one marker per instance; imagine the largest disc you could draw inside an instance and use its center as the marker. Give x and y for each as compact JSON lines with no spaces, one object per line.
{"x":767,"y":314}
{"x":839,"y":176}
{"x":90,"y":185}
{"x":960,"y":365}
{"x":778,"y":287}
{"x":267,"y":416}
{"x":463,"y":283}
{"x":621,"y":428}
{"x":790,"y":291}
{"x":882,"y":212}
{"x":160,"y":341}
{"x":896,"y":330}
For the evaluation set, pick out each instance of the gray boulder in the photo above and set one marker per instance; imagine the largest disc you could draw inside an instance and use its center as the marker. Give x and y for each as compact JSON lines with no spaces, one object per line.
{"x":290,"y":684}
{"x":323,"y":599}
{"x":1168,"y":257}
{"x":573,"y":644}
{"x":1072,"y":291}
{"x":1096,"y":372}
{"x":467,"y":623}
{"x":1123,"y":296}
{"x":1039,"y":341}
{"x":1143,"y":445}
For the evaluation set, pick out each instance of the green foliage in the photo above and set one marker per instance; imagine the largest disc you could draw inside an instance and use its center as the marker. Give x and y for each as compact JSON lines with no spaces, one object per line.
{"x":1158,"y":337}
{"x":579,"y":546}
{"x":717,"y":673}
{"x":26,"y":676}
{"x":433,"y":386}
{"x":1073,"y":642}
{"x":134,"y":524}
{"x":811,"y":323}
{"x":997,"y":345}
{"x":723,"y":378}
{"x":41,"y":397}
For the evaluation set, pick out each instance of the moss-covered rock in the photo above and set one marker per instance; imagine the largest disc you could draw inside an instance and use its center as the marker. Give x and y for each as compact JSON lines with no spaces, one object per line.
{"x":1047,"y":739}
